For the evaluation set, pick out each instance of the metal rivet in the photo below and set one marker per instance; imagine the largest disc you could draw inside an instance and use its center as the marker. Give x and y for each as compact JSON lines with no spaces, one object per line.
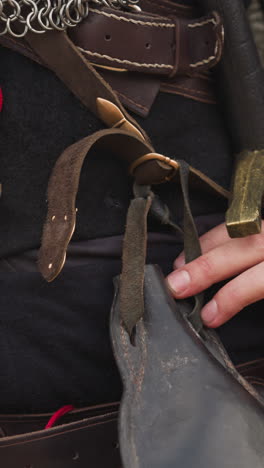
{"x":76,"y":209}
{"x":50,"y":266}
{"x":53,"y":218}
{"x":65,"y":218}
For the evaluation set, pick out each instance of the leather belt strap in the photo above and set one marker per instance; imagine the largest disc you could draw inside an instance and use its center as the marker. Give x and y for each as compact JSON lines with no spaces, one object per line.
{"x":161,"y":46}
{"x":64,"y":183}
{"x":169,"y":8}
{"x":129,"y":143}
{"x":175,"y":50}
{"x":137,"y":91}
{"x":132,"y":304}
{"x":58,"y":52}
{"x":88,"y":439}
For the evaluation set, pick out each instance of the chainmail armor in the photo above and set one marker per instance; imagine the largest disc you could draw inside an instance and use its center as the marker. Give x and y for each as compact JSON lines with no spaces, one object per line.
{"x":17,"y":17}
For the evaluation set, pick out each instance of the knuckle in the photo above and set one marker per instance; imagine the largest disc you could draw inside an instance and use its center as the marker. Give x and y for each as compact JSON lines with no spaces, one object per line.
{"x":205,"y":267}
{"x":257,"y":243}
{"x":230,"y":300}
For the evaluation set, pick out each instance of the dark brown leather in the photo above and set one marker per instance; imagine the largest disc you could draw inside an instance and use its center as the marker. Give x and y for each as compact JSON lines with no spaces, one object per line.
{"x":168,"y":8}
{"x":183,"y":406}
{"x":180,"y":47}
{"x":62,"y":57}
{"x":161,"y":46}
{"x":137,"y":91}
{"x":87,"y":438}
{"x":64,"y":182}
{"x":200,"y":87}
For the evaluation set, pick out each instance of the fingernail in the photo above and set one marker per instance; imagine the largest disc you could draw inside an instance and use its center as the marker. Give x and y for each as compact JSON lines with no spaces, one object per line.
{"x":209,"y":312}
{"x":180,"y":261}
{"x":179,"y":281}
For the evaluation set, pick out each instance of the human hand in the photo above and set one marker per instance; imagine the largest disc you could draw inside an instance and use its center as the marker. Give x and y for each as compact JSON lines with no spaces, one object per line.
{"x":222,"y":258}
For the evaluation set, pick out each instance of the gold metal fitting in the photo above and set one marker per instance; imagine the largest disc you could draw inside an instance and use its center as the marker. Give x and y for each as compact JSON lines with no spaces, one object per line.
{"x":162,"y":160}
{"x":244,"y":214}
{"x":113,"y":117}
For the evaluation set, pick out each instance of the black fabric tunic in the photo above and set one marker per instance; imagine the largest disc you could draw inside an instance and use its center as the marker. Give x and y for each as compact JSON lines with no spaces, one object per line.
{"x":54,"y":339}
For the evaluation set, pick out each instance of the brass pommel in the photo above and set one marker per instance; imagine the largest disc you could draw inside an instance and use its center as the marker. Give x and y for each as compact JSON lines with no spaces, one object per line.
{"x":243,"y":217}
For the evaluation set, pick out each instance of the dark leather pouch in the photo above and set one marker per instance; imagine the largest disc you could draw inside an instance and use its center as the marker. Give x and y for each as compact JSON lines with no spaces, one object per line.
{"x":184,"y":404}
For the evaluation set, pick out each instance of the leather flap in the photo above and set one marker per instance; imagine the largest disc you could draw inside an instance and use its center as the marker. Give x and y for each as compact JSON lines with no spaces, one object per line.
{"x":181,"y":407}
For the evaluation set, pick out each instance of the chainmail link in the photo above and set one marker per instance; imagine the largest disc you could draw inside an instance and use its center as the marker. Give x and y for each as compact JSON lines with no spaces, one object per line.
{"x":17,"y":17}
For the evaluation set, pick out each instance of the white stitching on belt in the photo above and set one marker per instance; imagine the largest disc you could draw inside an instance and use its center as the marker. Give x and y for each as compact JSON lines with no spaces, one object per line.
{"x":127,"y":20}
{"x":112,"y":59}
{"x":207,"y":60}
{"x":203,"y":23}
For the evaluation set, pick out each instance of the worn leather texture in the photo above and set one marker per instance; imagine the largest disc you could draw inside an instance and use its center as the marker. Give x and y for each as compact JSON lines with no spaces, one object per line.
{"x":170,"y":8}
{"x":163,"y":46}
{"x":240,"y":76}
{"x":89,"y":439}
{"x":253,"y":372}
{"x":138,"y":91}
{"x":184,"y":405}
{"x":174,"y":52}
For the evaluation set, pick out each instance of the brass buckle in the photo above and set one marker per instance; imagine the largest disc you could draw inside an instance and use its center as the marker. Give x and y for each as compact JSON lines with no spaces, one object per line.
{"x":161,"y":159}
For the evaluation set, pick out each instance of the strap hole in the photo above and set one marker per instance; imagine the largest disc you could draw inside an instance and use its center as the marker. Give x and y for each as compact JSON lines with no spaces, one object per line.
{"x":76,"y":456}
{"x":148,"y":45}
{"x":108,"y":37}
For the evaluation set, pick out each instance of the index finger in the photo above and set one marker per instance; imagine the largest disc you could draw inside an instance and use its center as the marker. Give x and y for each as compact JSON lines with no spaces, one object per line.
{"x":211,"y":239}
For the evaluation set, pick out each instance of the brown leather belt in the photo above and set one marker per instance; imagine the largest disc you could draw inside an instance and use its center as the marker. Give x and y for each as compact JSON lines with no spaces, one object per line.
{"x":150,"y":44}
{"x":88,"y":438}
{"x":171,"y":54}
{"x":169,"y":8}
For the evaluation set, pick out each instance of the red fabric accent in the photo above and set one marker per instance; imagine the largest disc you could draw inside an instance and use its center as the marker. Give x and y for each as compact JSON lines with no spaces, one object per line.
{"x":1,"y":99}
{"x":56,"y":416}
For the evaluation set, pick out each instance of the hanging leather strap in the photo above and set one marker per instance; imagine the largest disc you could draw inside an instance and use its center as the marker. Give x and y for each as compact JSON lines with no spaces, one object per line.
{"x":134,"y":252}
{"x":64,"y":184}
{"x":134,"y":260}
{"x":63,"y":187}
{"x":130,"y":143}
